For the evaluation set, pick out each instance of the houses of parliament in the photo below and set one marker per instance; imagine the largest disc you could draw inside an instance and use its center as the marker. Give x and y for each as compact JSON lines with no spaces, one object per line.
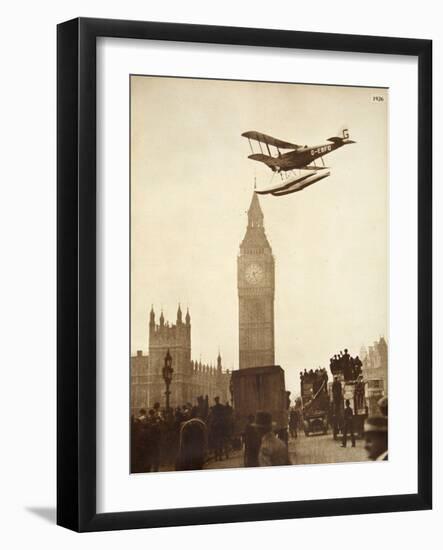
{"x":256,"y":288}
{"x":190,"y":378}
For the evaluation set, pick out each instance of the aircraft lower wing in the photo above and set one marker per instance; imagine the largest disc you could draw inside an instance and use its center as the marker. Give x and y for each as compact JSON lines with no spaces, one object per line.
{"x":269,"y":161}
{"x":294,"y":183}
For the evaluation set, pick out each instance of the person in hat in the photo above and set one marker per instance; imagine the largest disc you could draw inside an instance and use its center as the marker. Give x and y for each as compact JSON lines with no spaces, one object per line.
{"x":337,"y":395}
{"x":273,"y":452}
{"x":348,"y":424}
{"x":252,"y":440}
{"x":293,"y":422}
{"x":152,"y":439}
{"x":376,"y":437}
{"x":217,"y":426}
{"x":346,"y":365}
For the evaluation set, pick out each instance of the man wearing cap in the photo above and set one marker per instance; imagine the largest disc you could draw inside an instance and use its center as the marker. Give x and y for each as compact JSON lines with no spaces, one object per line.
{"x":337,"y":395}
{"x":376,"y":437}
{"x":273,"y":452}
{"x":348,"y":424}
{"x":217,"y":422}
{"x":252,"y":441}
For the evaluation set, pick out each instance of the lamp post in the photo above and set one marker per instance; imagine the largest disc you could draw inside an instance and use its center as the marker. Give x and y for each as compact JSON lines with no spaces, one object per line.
{"x":167,"y":372}
{"x":231,"y":390}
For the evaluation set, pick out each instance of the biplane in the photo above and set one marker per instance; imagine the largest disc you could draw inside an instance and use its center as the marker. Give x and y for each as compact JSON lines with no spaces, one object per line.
{"x":299,"y":160}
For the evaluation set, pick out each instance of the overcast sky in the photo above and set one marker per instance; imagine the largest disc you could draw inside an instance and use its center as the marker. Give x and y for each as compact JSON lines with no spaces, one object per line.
{"x":192,"y":183}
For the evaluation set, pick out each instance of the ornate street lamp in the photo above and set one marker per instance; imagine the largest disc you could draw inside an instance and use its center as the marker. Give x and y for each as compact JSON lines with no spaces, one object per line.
{"x":231,"y":389}
{"x":167,"y":372}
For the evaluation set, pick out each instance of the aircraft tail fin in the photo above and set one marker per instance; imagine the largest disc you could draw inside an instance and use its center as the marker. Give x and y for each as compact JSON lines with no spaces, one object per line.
{"x":344,"y":138}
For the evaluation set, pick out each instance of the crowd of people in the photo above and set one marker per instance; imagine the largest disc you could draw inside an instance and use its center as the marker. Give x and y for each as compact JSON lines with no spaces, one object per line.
{"x":318,"y":378}
{"x":189,"y":436}
{"x":182,"y":438}
{"x":343,"y":363}
{"x":343,"y":412}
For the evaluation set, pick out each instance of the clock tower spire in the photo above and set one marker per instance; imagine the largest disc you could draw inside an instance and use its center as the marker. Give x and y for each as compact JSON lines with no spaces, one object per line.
{"x":255,"y":213}
{"x":255,"y":282}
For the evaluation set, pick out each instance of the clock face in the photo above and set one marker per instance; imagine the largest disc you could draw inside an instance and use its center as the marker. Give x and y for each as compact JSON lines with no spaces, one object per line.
{"x":254,"y":274}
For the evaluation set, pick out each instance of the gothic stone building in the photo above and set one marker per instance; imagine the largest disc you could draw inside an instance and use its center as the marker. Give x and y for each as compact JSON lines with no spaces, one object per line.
{"x":256,"y":285}
{"x":375,"y":372}
{"x":190,"y":378}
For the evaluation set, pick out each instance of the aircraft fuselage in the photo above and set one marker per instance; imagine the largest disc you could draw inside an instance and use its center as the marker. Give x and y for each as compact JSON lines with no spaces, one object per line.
{"x":302,"y":157}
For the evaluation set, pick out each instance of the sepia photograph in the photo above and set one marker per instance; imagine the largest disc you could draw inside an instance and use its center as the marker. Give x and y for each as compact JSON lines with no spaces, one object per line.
{"x":258,"y":274}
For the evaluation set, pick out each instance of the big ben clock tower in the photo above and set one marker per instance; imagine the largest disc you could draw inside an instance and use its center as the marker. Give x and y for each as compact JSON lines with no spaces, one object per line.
{"x":255,"y":281}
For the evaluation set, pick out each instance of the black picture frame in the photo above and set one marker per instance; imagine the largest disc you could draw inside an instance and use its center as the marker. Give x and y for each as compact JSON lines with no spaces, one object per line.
{"x":76,"y":267}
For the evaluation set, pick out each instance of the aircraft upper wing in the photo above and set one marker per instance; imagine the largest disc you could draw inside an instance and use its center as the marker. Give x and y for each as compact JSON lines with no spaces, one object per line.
{"x":263,"y":138}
